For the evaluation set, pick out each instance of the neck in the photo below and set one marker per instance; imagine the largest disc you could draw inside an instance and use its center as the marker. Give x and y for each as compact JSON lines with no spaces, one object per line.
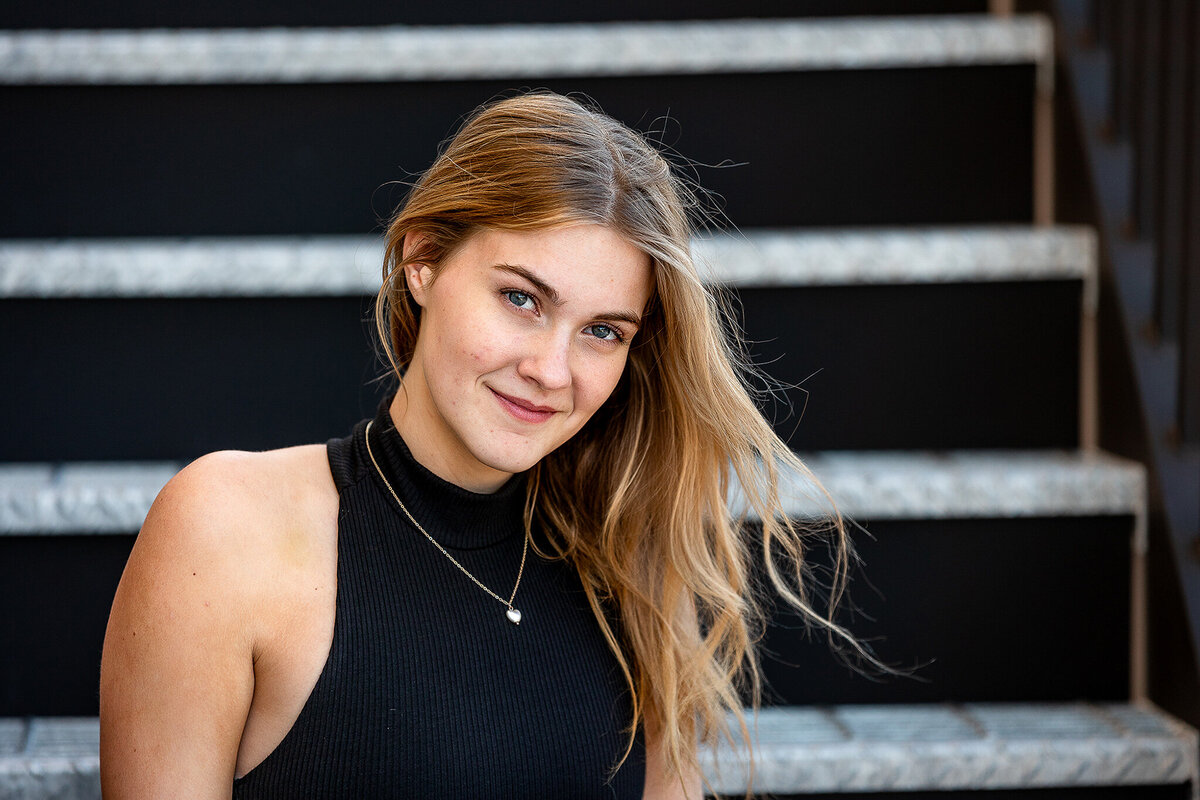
{"x":427,"y":436}
{"x":454,"y":516}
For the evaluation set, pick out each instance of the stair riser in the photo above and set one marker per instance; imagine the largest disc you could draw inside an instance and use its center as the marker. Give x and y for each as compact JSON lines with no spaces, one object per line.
{"x":173,"y":379}
{"x":854,"y":147}
{"x":1002,"y":605}
{"x":56,"y":593}
{"x":941,"y":366}
{"x":1005,"y":610}
{"x":227,"y":13}
{"x":929,"y":366}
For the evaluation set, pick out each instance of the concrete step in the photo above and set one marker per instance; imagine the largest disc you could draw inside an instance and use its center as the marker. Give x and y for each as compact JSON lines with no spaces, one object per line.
{"x":974,"y":483}
{"x":79,"y":498}
{"x":313,"y":130}
{"x":461,"y":52}
{"x":50,"y":757}
{"x":950,"y":536}
{"x":104,"y":498}
{"x":949,"y":540}
{"x":288,"y":266}
{"x":980,"y":325}
{"x":847,"y":750}
{"x":855,"y":749}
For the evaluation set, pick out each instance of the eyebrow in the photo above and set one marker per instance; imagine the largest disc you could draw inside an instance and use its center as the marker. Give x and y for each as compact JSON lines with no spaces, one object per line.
{"x":554,"y":297}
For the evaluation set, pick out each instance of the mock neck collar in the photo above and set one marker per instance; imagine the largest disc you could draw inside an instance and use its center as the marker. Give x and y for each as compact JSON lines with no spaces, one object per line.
{"x":456,"y":517}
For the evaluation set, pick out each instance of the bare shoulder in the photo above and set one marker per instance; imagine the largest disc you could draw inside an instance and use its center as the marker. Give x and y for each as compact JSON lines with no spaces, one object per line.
{"x":238,"y":491}
{"x":245,"y":505}
{"x":214,"y":573}
{"x":239,"y":528}
{"x":239,"y":520}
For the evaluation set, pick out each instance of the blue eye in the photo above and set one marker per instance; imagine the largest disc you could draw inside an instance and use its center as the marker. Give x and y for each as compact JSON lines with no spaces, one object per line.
{"x":519,"y":299}
{"x":605,"y":332}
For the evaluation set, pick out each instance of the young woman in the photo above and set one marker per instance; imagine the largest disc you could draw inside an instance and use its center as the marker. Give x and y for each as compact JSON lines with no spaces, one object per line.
{"x":522,"y":577}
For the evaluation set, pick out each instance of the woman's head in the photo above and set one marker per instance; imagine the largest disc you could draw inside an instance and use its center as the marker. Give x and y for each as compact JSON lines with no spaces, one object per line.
{"x":523,"y":336}
{"x":520,"y":169}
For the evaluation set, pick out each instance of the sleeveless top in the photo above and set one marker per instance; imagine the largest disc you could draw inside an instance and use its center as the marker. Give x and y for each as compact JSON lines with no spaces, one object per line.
{"x":429,"y":690}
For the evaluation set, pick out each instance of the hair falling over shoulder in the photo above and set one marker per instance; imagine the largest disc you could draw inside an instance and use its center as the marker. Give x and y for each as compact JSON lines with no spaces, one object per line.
{"x":640,"y":498}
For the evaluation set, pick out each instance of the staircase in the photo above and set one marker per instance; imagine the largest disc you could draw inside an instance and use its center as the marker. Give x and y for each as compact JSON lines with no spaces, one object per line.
{"x":186,"y":246}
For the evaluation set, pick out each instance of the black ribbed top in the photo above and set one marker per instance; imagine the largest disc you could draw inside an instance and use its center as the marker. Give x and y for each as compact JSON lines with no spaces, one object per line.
{"x":429,"y":691}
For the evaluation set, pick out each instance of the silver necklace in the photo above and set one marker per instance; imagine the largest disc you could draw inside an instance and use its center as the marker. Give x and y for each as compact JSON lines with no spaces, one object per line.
{"x":513,"y":614}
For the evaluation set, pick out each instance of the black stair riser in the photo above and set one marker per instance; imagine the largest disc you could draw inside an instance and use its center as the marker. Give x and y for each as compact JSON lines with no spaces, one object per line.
{"x":1021,"y":610}
{"x":861,"y":147}
{"x":56,"y":592}
{"x":997,"y":610}
{"x":926,"y":367}
{"x":929,"y":367}
{"x":227,"y":13}
{"x":173,"y":379}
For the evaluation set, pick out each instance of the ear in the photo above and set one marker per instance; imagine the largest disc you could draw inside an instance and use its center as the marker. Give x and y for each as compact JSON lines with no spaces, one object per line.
{"x":418,"y":275}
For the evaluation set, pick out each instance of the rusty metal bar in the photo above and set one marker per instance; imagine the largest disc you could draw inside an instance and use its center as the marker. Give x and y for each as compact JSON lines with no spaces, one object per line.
{"x":1043,"y":148}
{"x":1001,"y":8}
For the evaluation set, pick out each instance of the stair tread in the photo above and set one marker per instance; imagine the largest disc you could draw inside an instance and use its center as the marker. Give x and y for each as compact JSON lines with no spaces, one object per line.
{"x":350,"y":265}
{"x":970,"y":483}
{"x":390,"y":53}
{"x":79,"y":498}
{"x":820,"y":749}
{"x":970,"y":746}
{"x":899,"y":255}
{"x":114,"y":497}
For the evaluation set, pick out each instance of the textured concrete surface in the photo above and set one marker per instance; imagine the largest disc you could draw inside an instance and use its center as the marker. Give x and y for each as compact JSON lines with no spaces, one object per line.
{"x":50,"y":758}
{"x":933,"y":255}
{"x":213,"y":267}
{"x":515,"y":51}
{"x":969,"y":483}
{"x":79,"y":498}
{"x":941,"y":748}
{"x":348,"y":265}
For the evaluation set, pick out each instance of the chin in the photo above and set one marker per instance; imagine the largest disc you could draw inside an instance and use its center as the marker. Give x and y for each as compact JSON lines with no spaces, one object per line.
{"x":512,"y":460}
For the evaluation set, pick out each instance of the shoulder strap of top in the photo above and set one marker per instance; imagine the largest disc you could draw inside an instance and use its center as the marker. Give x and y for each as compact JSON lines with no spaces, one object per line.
{"x":345,"y":462}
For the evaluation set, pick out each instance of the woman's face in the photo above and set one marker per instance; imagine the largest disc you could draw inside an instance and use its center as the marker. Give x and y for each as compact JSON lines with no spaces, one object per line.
{"x":523,"y":336}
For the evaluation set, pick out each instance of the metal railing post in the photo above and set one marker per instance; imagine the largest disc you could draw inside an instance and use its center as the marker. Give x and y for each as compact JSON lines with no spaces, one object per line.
{"x":1188,"y":305}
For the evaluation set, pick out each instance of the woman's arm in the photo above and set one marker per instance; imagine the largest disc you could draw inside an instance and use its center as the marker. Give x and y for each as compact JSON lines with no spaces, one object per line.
{"x":177,"y":675}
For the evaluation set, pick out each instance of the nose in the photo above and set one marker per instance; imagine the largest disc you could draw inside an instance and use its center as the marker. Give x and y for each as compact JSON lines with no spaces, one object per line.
{"x":547,"y":360}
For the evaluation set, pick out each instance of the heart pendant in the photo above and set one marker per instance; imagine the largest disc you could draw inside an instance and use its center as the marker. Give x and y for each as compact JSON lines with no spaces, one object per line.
{"x":514,"y":616}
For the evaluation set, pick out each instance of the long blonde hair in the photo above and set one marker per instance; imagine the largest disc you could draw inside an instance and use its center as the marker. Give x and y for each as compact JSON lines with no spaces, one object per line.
{"x":638,"y":500}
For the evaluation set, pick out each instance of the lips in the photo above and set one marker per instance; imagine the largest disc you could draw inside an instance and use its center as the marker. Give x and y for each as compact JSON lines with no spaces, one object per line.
{"x":523,"y":409}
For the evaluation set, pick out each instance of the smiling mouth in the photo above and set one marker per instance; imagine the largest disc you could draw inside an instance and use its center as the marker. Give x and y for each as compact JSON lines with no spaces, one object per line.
{"x":526,"y":412}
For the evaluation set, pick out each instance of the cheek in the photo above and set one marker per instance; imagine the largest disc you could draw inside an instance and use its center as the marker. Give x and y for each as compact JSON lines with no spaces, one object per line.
{"x":599,"y":383}
{"x":484,"y":347}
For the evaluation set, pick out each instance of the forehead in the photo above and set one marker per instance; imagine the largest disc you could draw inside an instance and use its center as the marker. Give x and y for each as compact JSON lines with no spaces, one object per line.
{"x":581,"y":262}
